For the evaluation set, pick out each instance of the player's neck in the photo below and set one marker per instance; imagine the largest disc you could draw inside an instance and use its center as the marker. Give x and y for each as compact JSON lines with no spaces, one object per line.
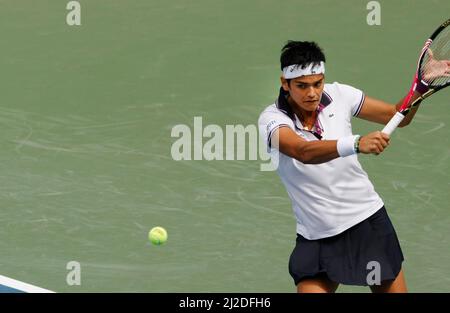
{"x":305,"y":115}
{"x":307,"y":118}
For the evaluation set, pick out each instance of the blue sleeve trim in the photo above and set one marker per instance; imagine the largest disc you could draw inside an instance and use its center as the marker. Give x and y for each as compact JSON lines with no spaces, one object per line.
{"x":269,"y":136}
{"x":363,"y":97}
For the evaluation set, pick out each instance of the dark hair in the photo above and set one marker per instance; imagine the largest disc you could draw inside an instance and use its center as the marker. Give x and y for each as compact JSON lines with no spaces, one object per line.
{"x":301,"y":53}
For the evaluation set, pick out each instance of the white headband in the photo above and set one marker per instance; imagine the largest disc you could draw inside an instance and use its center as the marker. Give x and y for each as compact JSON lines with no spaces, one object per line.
{"x":295,"y":70}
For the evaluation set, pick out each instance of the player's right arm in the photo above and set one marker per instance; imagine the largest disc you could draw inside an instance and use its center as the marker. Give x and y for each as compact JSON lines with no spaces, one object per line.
{"x":321,"y":151}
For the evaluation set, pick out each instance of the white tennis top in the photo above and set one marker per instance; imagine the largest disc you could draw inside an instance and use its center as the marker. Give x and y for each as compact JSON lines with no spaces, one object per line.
{"x":331,"y":197}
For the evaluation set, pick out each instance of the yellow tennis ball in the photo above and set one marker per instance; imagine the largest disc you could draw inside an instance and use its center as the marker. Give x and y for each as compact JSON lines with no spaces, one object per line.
{"x":157,"y":235}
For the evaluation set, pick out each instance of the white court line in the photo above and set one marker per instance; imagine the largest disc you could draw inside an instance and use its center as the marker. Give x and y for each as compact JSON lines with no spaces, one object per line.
{"x":21,"y":286}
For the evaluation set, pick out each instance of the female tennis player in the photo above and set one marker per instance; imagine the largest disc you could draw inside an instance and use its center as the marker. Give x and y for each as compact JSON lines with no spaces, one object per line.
{"x":344,"y":234}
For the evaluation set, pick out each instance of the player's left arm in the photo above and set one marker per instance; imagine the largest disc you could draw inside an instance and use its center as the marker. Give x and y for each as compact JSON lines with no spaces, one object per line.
{"x":378,"y":111}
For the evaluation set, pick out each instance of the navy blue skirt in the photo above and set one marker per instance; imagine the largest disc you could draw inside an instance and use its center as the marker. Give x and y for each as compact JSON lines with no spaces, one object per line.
{"x":348,"y":257}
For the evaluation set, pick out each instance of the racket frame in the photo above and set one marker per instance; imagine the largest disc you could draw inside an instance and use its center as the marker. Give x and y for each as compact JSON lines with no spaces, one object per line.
{"x":406,"y":105}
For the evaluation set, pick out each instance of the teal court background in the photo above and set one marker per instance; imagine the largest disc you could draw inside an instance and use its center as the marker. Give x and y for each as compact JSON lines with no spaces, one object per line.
{"x":86,"y":115}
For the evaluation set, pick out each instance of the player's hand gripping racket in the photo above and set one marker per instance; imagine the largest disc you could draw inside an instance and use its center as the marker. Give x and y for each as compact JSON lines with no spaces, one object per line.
{"x":433,"y":71}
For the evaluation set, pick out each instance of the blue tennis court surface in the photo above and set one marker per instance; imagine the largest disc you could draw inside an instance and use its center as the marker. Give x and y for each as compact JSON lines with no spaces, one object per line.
{"x":9,"y":285}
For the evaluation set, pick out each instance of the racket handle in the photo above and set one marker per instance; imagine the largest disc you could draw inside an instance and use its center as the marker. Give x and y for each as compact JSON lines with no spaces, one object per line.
{"x":393,"y":123}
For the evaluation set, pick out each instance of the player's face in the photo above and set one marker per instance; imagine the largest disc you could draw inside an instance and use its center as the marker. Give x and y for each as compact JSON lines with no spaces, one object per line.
{"x":305,"y":91}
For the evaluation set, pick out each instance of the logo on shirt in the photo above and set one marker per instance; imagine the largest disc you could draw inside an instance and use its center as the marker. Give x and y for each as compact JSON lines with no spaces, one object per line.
{"x":270,"y":125}
{"x":331,"y":115}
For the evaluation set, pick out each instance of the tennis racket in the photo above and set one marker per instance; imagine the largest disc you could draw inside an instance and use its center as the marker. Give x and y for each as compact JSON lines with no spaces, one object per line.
{"x":433,"y":71}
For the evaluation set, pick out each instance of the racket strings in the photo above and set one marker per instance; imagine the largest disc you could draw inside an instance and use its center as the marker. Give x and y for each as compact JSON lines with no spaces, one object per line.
{"x":435,"y":65}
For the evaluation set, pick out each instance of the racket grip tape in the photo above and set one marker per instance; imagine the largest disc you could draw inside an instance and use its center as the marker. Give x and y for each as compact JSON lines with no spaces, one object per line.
{"x":393,"y":123}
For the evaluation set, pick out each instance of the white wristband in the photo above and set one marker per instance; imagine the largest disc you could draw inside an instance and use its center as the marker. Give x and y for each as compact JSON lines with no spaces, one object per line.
{"x":346,"y":145}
